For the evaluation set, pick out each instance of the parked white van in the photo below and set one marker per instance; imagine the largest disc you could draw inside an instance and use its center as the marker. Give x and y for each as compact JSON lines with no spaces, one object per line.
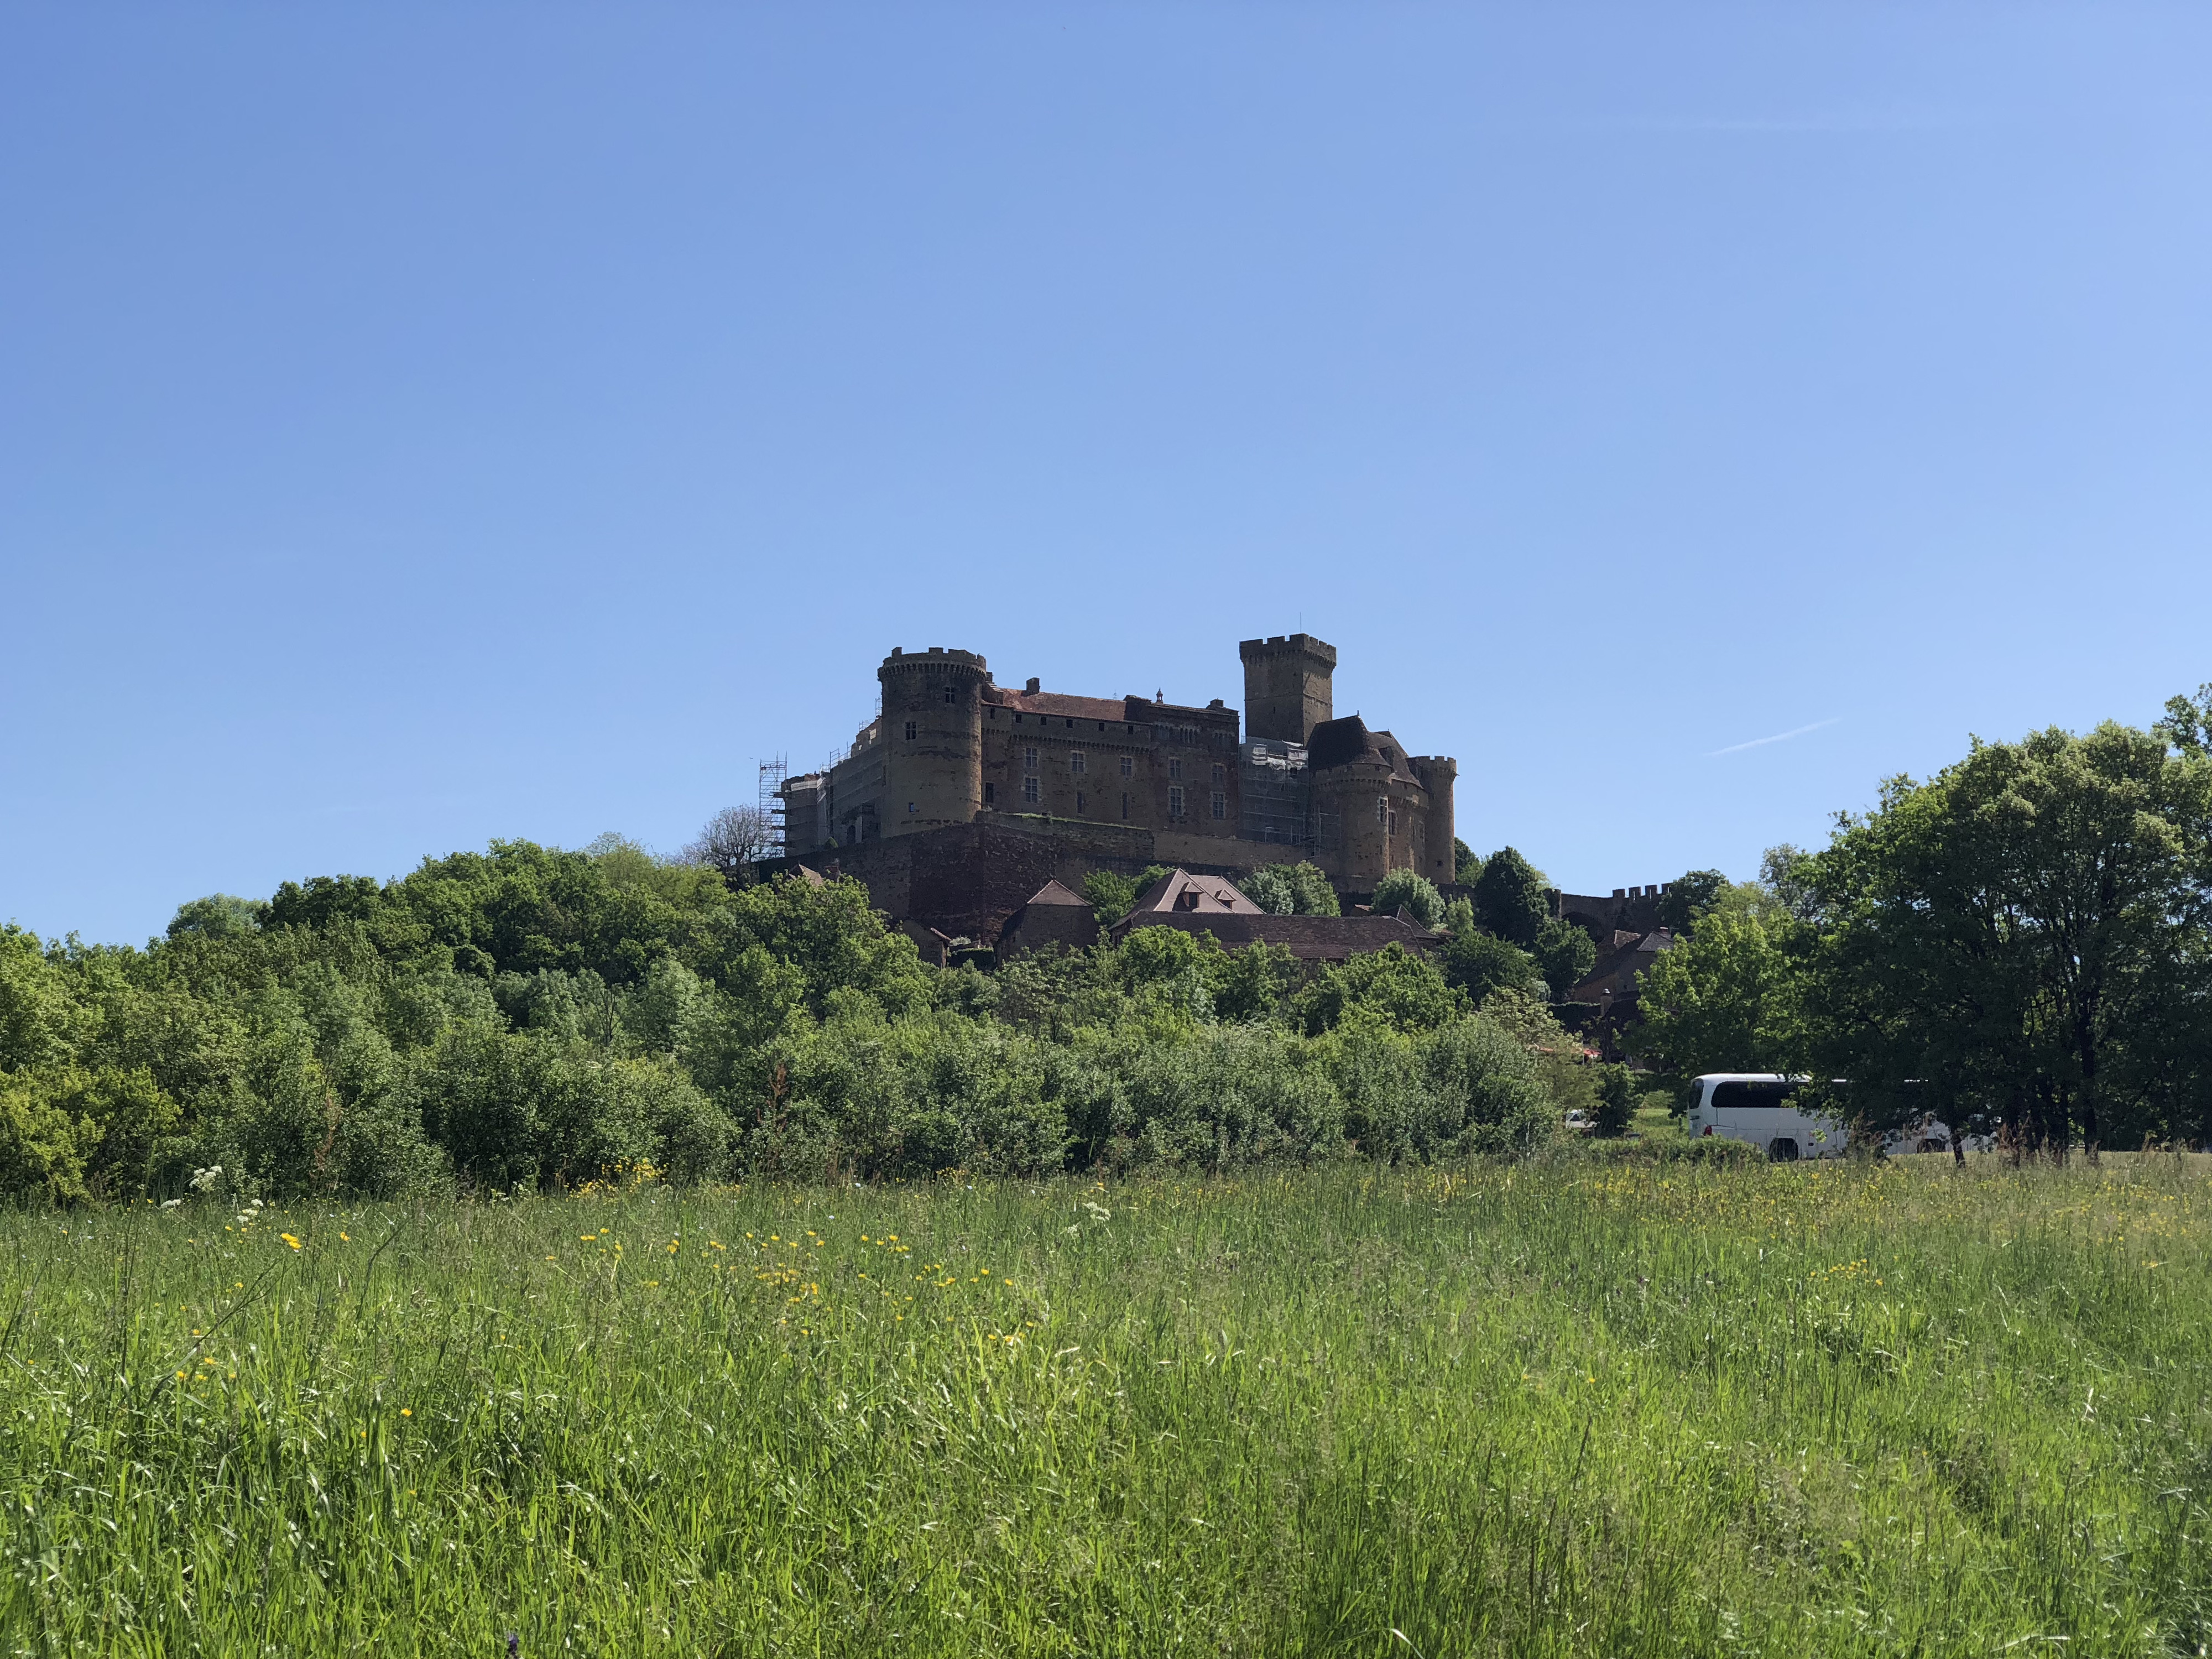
{"x":1760,"y":1108}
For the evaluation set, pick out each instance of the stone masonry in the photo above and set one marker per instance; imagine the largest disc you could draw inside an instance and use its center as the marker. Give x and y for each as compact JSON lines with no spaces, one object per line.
{"x":1107,"y":779}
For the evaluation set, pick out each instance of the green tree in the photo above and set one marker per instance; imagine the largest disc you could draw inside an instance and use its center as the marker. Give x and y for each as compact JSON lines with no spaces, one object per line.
{"x":1408,"y":891}
{"x":1725,"y":999}
{"x":1616,"y":1102}
{"x":219,"y":915}
{"x":1510,"y":898}
{"x":1565,"y":954}
{"x":1111,"y":895}
{"x":1290,"y":890}
{"x":1392,"y":987}
{"x":1687,"y":896}
{"x":1478,"y":964}
{"x":1466,"y":863}
{"x":2017,"y":941}
{"x":41,"y":1022}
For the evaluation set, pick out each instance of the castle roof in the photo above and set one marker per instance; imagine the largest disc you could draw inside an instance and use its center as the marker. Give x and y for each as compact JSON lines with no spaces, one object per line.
{"x":1053,"y":893}
{"x":1133,"y":710}
{"x":1180,"y":890}
{"x":1346,"y":741}
{"x":1309,"y":939}
{"x":1058,"y":702}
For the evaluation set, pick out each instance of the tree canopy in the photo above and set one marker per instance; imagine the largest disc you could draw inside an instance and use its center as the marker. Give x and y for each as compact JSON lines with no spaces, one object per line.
{"x":2020,"y":946}
{"x":527,"y":1018}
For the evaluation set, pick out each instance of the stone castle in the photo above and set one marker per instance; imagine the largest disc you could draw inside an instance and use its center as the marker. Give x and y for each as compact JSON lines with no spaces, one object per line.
{"x":1121,"y":781}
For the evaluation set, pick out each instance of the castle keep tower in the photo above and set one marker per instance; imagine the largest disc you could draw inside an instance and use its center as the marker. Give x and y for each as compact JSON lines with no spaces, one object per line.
{"x":931,"y":734}
{"x":1287,"y":686}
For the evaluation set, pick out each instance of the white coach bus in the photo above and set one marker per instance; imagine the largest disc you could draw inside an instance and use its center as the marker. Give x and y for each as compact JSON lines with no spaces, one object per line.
{"x":1761,"y":1108}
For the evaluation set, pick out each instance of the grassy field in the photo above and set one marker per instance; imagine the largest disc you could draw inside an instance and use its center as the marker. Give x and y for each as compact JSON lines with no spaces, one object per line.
{"x":1604,"y":1406}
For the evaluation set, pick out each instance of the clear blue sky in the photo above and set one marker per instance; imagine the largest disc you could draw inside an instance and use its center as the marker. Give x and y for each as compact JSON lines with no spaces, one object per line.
{"x":420,"y":424}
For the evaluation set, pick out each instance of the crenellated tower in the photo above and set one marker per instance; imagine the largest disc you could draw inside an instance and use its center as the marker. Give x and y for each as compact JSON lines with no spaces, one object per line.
{"x":1288,"y":686}
{"x":932,"y":739}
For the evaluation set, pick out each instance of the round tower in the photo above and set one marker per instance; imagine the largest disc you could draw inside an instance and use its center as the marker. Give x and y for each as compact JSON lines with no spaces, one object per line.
{"x":932,"y":739}
{"x":1438,"y":774}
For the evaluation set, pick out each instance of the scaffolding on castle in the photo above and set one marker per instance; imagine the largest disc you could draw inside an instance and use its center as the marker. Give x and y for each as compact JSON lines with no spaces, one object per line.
{"x":773,"y":773}
{"x":1275,"y":791}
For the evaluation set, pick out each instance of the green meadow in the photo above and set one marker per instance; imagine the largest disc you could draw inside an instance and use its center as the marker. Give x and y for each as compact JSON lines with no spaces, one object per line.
{"x":1591,"y":1405}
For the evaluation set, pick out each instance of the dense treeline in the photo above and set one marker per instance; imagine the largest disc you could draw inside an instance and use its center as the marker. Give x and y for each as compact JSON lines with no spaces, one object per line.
{"x":2021,"y":945}
{"x":529,"y":1017}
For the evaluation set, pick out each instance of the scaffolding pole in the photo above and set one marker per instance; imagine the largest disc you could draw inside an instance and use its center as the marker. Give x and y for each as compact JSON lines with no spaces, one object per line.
{"x":773,"y":773}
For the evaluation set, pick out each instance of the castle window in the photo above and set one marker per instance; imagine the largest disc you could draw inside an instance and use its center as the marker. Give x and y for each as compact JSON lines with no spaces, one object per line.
{"x":1220,"y":804}
{"x":990,"y":794}
{"x":1174,"y":769}
{"x":910,"y":731}
{"x":1175,"y":800}
{"x":1393,"y":823}
{"x":1030,"y":788}
{"x":1075,"y":763}
{"x":1382,"y":809}
{"x":1029,"y":762}
{"x":1128,"y":767}
{"x":912,"y":808}
{"x":950,"y":695}
{"x":1125,"y":803}
{"x":1220,"y":773}
{"x":1080,"y":802}
{"x":1070,"y":722}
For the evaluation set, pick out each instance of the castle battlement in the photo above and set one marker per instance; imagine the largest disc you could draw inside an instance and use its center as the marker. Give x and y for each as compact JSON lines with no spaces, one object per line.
{"x":949,"y":746}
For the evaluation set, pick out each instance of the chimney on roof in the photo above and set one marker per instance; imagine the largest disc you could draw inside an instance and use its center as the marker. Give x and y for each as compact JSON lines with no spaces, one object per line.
{"x":1032,"y":685}
{"x":1160,"y":696}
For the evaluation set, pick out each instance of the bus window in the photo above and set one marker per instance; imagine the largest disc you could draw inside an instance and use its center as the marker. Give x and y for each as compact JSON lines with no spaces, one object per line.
{"x":1727,"y":1096}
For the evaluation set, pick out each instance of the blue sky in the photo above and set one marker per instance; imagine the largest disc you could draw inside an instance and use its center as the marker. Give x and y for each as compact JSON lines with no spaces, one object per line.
{"x":420,"y":424}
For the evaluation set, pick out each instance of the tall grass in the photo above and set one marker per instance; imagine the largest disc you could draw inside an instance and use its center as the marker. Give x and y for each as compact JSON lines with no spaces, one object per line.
{"x":1584,"y":1408}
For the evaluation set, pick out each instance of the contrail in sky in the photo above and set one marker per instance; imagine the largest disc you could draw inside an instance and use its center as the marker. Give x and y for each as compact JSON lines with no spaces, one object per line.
{"x":1779,"y":737}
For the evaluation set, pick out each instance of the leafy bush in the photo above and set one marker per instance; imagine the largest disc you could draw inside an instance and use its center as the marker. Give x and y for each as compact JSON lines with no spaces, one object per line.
{"x":1232,"y":1094}
{"x":1290,"y":890}
{"x":1478,"y":964}
{"x":1413,"y":894}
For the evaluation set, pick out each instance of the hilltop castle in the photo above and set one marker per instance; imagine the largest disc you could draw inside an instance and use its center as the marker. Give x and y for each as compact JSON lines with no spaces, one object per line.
{"x":1116,"y":782}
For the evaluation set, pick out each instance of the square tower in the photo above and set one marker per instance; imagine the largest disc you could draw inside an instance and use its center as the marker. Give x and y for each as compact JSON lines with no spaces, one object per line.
{"x":1288,"y":686}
